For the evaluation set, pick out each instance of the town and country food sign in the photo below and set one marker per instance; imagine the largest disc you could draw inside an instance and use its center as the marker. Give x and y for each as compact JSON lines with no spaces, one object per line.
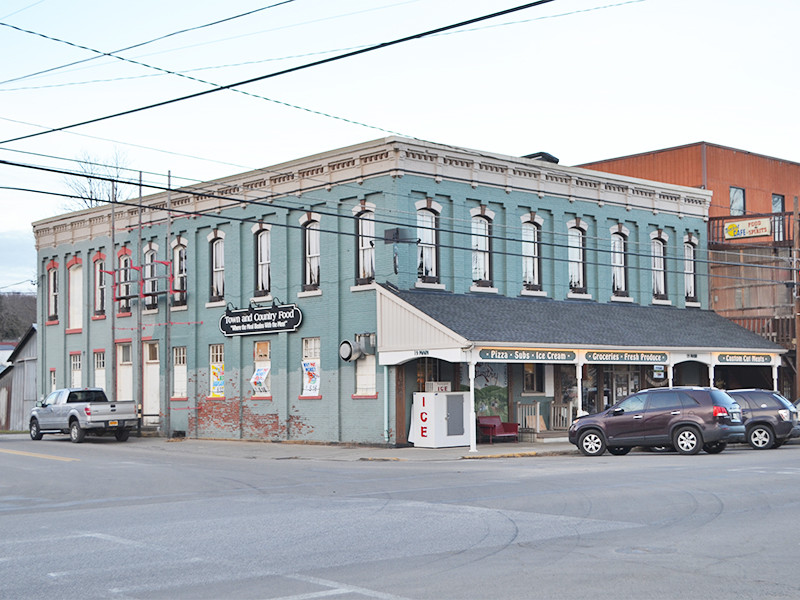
{"x":748,"y":228}
{"x":260,"y":320}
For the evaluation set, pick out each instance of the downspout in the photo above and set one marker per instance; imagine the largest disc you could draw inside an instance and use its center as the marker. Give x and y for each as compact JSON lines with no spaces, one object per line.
{"x":386,"y":403}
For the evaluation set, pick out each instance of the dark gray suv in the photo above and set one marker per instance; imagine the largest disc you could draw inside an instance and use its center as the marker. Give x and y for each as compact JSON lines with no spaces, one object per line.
{"x":769,"y":418}
{"x":687,"y":418}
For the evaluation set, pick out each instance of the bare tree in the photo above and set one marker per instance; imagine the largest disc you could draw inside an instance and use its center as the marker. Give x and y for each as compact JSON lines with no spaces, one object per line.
{"x":101,"y":182}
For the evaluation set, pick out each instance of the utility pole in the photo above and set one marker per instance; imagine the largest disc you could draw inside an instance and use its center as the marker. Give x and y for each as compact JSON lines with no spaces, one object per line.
{"x":795,"y":264}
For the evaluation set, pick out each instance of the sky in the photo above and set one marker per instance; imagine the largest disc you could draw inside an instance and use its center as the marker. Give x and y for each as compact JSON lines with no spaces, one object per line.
{"x":581,"y":79}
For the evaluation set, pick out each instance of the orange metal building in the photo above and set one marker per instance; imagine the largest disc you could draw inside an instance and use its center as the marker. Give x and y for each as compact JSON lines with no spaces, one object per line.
{"x":750,"y":232}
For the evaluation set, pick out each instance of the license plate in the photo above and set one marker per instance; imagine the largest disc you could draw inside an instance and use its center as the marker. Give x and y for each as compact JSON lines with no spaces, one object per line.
{"x":113,"y":423}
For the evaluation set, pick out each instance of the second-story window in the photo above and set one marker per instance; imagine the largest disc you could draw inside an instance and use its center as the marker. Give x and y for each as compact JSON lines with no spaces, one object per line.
{"x":311,"y":234}
{"x":531,"y":256}
{"x":427,"y":268}
{"x":778,"y":223}
{"x":217,"y":292}
{"x":99,"y":287}
{"x":75,"y":295}
{"x":481,"y":252}
{"x":576,"y":254}
{"x":52,"y":293}
{"x":179,"y":275}
{"x":125,"y":285}
{"x":689,"y":270}
{"x":737,"y":201}
{"x":262,"y":262}
{"x":366,"y":247}
{"x":150,"y":280}
{"x":658,"y":254}
{"x":619,"y":273}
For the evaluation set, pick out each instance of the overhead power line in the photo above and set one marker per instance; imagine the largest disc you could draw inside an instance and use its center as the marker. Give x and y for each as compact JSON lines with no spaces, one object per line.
{"x":139,"y":45}
{"x":286,"y":71}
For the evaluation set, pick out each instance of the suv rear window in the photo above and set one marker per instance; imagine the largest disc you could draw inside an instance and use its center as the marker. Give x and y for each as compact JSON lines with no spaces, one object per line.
{"x":720,"y":398}
{"x":770,"y":399}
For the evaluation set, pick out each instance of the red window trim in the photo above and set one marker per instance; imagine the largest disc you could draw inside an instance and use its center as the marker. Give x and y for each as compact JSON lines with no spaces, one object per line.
{"x":309,"y":397}
{"x":364,"y":397}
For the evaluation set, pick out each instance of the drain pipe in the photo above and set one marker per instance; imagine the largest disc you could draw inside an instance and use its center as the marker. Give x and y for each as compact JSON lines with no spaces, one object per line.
{"x":386,"y":403}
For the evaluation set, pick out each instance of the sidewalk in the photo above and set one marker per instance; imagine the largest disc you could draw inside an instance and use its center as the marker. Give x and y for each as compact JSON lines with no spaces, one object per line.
{"x":355,"y":452}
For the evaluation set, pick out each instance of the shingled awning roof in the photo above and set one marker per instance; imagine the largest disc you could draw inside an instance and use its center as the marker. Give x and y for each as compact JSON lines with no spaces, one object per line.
{"x":487,"y":319}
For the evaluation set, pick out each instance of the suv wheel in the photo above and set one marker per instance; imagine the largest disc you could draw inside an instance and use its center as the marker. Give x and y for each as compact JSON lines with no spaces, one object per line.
{"x":591,"y":443}
{"x":687,"y":440}
{"x":760,"y":437}
{"x":36,"y":433}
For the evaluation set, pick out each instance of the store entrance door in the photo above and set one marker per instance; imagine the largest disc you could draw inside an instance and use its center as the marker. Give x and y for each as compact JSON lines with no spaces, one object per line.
{"x":621,"y":381}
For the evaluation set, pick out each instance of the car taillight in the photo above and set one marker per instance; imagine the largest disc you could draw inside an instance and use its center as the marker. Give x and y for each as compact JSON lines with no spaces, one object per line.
{"x":720,"y":411}
{"x":87,"y":410}
{"x":785,"y":414}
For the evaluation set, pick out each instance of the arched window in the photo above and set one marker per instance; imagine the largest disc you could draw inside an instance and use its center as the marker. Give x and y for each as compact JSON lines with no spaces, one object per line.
{"x":481,"y":251}
{"x":658,"y":254}
{"x":576,"y":242}
{"x":619,"y":268}
{"x":427,"y":259}
{"x":52,"y":292}
{"x":217,"y":292}
{"x":366,"y":247}
{"x":150,"y":280}
{"x":125,"y":285}
{"x":178,"y":273}
{"x":689,"y":270}
{"x":263,"y":262}
{"x":311,"y":233}
{"x":75,"y":294}
{"x":99,"y":285}
{"x":531,"y":256}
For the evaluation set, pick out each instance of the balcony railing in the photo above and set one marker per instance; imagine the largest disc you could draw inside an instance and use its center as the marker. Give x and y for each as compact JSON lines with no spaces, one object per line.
{"x":765,"y":229}
{"x":776,"y":329}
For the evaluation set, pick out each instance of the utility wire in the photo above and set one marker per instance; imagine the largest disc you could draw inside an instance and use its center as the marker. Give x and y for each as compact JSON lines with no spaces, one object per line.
{"x":139,"y":45}
{"x":286,"y":71}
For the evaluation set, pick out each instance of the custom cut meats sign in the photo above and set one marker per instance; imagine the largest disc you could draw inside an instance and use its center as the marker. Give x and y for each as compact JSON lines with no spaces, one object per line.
{"x":260,"y":319}
{"x":747,"y":228}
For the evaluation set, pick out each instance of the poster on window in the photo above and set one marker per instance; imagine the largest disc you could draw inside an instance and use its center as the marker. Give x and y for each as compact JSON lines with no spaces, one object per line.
{"x":218,"y":380}
{"x":259,"y":380}
{"x":311,"y":373}
{"x":491,"y":388}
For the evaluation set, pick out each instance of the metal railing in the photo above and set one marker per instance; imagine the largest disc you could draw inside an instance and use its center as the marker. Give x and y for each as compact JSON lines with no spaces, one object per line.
{"x":781,"y":226}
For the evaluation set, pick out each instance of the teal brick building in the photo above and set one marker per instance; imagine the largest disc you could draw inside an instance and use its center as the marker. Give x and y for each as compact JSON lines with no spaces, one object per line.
{"x":222,"y":308}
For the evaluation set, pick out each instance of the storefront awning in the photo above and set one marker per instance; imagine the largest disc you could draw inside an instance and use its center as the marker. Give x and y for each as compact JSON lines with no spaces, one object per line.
{"x":454,"y":327}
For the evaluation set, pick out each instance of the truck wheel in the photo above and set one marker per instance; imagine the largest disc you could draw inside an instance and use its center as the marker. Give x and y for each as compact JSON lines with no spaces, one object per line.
{"x":122,"y":435}
{"x":36,"y":433}
{"x":76,"y":434}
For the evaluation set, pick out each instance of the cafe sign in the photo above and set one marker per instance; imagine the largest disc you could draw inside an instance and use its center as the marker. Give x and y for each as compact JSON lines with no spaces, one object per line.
{"x":747,"y":228}
{"x":260,"y":320}
{"x":648,"y":358}
{"x":525,"y":355}
{"x":745,"y":359}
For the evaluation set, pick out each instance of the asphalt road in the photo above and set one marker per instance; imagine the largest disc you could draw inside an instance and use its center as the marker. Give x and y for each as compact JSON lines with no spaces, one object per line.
{"x":151,"y":519}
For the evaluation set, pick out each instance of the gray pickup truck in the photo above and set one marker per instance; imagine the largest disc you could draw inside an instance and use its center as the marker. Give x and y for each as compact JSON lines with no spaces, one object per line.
{"x":79,"y":411}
